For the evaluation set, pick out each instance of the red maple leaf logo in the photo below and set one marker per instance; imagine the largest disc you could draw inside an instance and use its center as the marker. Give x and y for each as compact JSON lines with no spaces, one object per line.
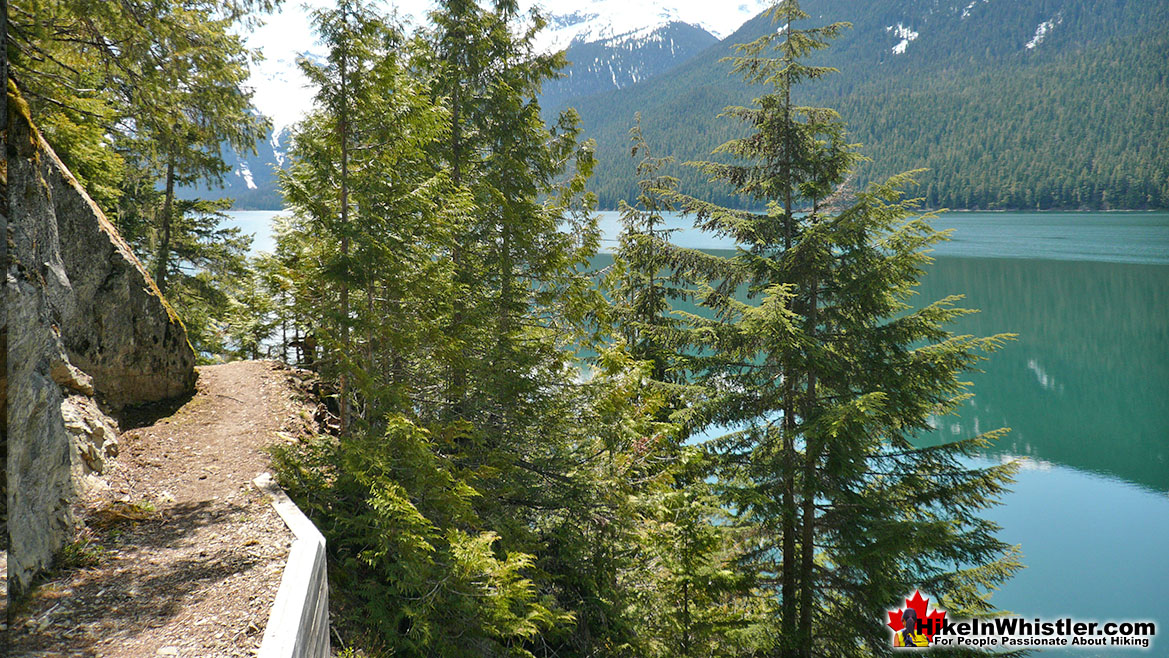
{"x":919,"y":605}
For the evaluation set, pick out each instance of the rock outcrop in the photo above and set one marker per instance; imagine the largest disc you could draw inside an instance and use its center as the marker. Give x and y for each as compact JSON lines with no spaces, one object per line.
{"x":88,"y":333}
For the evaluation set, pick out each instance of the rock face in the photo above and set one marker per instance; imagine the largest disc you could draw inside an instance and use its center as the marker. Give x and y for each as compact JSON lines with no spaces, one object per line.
{"x":88,"y":333}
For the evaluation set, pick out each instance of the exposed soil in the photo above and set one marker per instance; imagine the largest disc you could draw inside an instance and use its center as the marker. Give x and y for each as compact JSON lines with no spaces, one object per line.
{"x":182,"y":555}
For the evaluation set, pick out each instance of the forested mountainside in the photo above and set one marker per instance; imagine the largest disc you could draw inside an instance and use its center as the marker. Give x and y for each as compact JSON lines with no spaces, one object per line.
{"x":626,"y":59}
{"x":1033,"y":104}
{"x":251,"y":181}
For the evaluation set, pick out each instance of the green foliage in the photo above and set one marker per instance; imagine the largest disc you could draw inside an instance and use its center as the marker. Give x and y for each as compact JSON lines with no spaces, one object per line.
{"x":250,"y":315}
{"x":701,"y":602}
{"x":434,"y":559}
{"x":482,"y":497}
{"x":81,"y":553}
{"x":208,"y":270}
{"x":519,"y":257}
{"x":639,"y":285}
{"x":136,"y":79}
{"x":825,"y":379}
{"x":408,"y":550}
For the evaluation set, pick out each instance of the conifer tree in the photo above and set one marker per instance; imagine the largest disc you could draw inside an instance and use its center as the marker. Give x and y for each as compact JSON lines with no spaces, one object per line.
{"x":207,"y":266}
{"x":138,"y":89}
{"x":641,"y":288}
{"x":825,"y":375}
{"x":353,"y":37}
{"x":693,"y":601}
{"x":702,"y":603}
{"x":520,"y":255}
{"x":188,"y":105}
{"x":430,"y":563}
{"x":361,"y":177}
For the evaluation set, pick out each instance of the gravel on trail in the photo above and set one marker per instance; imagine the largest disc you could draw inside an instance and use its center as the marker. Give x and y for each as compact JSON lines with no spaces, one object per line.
{"x":182,"y":555}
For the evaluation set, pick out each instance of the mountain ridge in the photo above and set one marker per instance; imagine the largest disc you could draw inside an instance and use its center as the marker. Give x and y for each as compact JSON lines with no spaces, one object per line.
{"x":996,"y":100}
{"x":996,"y":107}
{"x":625,"y":59}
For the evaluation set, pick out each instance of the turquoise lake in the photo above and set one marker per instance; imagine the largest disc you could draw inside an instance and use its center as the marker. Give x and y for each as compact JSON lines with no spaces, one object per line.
{"x":1084,"y":389}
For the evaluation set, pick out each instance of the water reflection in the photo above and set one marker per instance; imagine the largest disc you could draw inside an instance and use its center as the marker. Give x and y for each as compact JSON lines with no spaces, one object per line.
{"x":1087,"y":382}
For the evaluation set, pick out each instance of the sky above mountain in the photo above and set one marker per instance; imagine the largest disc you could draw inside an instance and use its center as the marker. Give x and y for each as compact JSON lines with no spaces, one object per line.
{"x":280,"y":88}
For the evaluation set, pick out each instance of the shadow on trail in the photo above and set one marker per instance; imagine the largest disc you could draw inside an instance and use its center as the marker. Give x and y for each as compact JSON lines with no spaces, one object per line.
{"x":144,"y":415}
{"x":132,"y":590}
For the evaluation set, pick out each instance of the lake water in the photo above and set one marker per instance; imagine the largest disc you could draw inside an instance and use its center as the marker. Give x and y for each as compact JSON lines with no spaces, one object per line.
{"x":1085,"y":389}
{"x":256,"y":223}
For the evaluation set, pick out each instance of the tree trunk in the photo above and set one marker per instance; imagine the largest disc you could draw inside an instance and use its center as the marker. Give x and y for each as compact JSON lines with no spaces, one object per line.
{"x":370,"y":364}
{"x":789,"y":585}
{"x":162,"y":259}
{"x":284,"y":326}
{"x":506,"y":285}
{"x":811,"y":458}
{"x":343,"y":128}
{"x":458,"y":375}
{"x":794,"y":591}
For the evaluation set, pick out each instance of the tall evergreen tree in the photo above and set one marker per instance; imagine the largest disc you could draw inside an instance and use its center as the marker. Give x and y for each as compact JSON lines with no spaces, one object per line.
{"x":520,"y":255}
{"x":693,"y":601}
{"x":641,"y":288}
{"x":159,"y":81}
{"x":361,"y":179}
{"x":191,"y":103}
{"x":430,"y":561}
{"x":825,"y":380}
{"x":521,"y":251}
{"x":208,"y":270}
{"x":357,"y":41}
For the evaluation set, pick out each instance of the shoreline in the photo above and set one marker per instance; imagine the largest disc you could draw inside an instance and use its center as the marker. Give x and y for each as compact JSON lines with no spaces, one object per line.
{"x":924,"y":210}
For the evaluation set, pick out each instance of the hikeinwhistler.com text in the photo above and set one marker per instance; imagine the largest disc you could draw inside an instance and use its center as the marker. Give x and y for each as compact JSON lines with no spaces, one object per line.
{"x":1016,"y":632}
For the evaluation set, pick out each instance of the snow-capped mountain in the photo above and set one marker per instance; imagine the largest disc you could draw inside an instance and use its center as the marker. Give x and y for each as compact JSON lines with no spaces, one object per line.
{"x":612,"y":44}
{"x":619,"y":61}
{"x":600,"y":20}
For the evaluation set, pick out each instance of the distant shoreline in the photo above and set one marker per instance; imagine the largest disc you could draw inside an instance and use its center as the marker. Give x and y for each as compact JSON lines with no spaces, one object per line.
{"x":1004,"y":210}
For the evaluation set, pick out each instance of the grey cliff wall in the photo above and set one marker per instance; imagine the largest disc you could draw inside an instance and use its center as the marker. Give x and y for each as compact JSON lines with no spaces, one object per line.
{"x":88,"y":333}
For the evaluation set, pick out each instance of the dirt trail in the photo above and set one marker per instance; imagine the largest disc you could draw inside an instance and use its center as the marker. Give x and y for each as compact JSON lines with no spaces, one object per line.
{"x":183,"y":555}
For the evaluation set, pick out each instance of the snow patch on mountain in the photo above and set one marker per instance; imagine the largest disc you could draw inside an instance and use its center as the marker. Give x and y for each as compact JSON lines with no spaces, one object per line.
{"x":275,"y":142}
{"x":641,"y":37}
{"x":1042,"y":31}
{"x":624,"y":59}
{"x":905,"y":34}
{"x":246,"y":173}
{"x":967,"y":9}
